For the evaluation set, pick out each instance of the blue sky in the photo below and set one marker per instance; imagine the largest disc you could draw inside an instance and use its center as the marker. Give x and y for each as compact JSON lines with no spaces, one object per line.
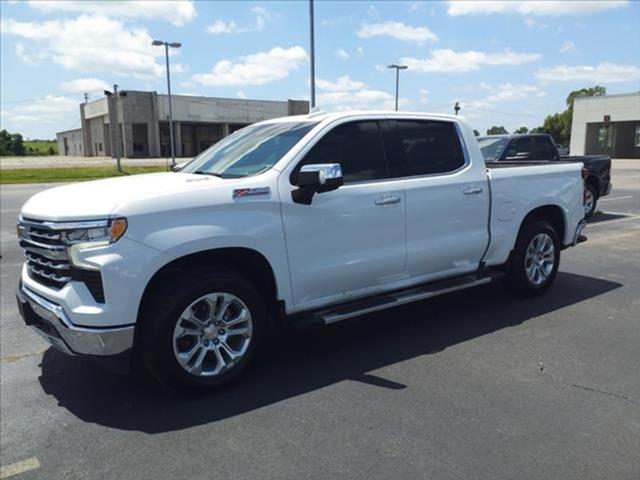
{"x":507,"y":63}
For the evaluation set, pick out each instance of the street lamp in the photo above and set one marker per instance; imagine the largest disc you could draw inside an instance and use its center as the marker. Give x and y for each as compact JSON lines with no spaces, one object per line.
{"x":313,"y":56}
{"x":398,"y":68}
{"x":158,"y":43}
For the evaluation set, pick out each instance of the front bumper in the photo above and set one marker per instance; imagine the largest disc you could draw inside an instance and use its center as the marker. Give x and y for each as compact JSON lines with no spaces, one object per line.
{"x":51,"y":322}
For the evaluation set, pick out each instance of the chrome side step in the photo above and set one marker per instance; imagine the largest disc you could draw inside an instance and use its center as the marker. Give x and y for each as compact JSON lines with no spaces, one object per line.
{"x":395,"y":299}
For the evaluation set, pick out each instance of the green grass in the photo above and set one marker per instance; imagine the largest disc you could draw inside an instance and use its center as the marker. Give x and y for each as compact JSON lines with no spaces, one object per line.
{"x":68,"y":174}
{"x":41,"y":147}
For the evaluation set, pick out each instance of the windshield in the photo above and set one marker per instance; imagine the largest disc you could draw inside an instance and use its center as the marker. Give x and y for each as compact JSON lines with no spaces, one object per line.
{"x":492,"y":147}
{"x":249,"y":151}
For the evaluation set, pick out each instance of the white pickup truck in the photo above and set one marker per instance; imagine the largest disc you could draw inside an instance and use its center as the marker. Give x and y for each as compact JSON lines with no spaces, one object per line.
{"x":315,"y":218}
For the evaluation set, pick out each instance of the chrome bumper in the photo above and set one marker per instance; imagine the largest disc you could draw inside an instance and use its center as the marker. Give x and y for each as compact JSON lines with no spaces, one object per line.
{"x":51,"y":322}
{"x":577,"y":236}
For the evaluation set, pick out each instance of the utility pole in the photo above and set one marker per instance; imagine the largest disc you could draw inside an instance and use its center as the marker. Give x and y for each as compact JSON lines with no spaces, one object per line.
{"x":398,"y":68}
{"x":456,"y":107}
{"x":157,"y":43}
{"x":117,"y":126}
{"x":313,"y":56}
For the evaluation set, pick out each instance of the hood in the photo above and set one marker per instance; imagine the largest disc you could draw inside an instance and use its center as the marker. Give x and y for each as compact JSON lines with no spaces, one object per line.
{"x":99,"y":198}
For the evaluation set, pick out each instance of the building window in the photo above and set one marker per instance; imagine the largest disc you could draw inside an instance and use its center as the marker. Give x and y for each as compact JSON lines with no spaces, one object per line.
{"x":637,"y":142}
{"x":604,"y":136}
{"x":100,"y":146}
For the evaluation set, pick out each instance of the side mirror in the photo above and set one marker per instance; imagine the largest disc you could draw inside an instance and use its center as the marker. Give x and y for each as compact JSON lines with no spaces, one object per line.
{"x":317,"y":178}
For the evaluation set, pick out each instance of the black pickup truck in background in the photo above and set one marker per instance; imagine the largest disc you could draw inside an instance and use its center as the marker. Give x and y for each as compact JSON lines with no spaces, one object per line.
{"x":541,"y":147}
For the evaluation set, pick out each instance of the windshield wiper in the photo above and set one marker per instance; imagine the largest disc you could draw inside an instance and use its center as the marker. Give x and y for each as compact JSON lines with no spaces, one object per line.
{"x":202,"y":172}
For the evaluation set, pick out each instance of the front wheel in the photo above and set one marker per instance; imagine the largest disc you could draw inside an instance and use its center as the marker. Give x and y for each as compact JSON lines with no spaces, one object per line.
{"x":204,"y":331}
{"x":535,"y":259}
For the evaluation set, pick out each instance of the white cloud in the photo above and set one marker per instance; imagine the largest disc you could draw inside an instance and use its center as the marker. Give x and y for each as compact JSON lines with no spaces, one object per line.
{"x":241,"y":94}
{"x":90,"y":44}
{"x":601,"y":73}
{"x":29,"y":58}
{"x":81,"y":85}
{"x":44,"y":110}
{"x":221,"y":27}
{"x":342,"y":54}
{"x":396,"y":30}
{"x":176,"y":12}
{"x":533,"y":7}
{"x":348,"y":94}
{"x":360,"y":51}
{"x":568,"y":47}
{"x":424,"y":95}
{"x":506,"y":92}
{"x":445,"y":60}
{"x":256,"y":69}
{"x":342,"y":84}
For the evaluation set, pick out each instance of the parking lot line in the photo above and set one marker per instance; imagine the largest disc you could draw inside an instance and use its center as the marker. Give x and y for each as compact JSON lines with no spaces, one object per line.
{"x":613,"y":199}
{"x":7,"y":471}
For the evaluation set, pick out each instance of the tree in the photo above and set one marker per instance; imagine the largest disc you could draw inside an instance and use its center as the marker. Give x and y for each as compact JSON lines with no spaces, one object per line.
{"x":17,"y":144}
{"x":558,"y":125}
{"x":522,"y":130}
{"x":476,"y":132}
{"x":6,"y":146}
{"x":496,"y":130}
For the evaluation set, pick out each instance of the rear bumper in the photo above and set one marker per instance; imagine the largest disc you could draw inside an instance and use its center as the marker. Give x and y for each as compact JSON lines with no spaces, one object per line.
{"x":51,"y":322}
{"x":607,"y":189}
{"x":577,"y":236}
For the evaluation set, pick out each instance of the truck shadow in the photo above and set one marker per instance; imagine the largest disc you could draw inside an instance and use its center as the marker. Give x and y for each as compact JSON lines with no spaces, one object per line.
{"x":301,"y":362}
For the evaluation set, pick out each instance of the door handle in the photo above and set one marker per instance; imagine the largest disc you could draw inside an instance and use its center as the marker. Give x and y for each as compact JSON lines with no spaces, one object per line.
{"x":472,"y":190}
{"x":387,"y":200}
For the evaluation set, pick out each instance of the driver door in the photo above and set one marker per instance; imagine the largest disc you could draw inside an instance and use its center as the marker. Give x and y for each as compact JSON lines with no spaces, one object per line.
{"x":350,"y":241}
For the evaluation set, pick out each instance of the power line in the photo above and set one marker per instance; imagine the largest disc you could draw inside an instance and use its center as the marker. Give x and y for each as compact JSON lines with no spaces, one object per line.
{"x":32,"y":99}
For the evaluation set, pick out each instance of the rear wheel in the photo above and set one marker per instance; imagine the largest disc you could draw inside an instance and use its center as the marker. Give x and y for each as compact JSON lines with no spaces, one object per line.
{"x":590,"y":200}
{"x":535,"y":259}
{"x":204,"y":331}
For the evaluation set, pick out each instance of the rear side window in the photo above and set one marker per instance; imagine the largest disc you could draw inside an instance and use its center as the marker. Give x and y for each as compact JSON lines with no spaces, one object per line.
{"x":543,"y":150}
{"x":427,"y":147}
{"x":519,"y":145}
{"x":356,"y":146}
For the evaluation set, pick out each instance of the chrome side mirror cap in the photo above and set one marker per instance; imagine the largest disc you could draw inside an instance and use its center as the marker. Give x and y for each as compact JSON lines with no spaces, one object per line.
{"x":317,"y":178}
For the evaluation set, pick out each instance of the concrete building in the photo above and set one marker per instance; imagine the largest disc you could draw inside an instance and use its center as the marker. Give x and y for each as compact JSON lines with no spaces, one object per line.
{"x":143,"y":126}
{"x":606,"y":125}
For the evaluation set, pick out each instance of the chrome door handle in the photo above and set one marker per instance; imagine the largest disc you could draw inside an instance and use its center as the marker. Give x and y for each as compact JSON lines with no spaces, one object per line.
{"x":472,"y":190}
{"x":387,"y":200}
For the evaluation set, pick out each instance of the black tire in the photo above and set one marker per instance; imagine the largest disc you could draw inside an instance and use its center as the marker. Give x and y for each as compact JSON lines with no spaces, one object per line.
{"x":163,"y":311}
{"x":517,"y":279}
{"x":591,"y":191}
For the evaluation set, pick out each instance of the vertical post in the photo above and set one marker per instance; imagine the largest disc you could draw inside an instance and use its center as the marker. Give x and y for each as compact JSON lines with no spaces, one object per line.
{"x":86,"y":97}
{"x":313,"y":56}
{"x":173,"y":151}
{"x":116,"y":130}
{"x":456,"y":107}
{"x":397,"y":88}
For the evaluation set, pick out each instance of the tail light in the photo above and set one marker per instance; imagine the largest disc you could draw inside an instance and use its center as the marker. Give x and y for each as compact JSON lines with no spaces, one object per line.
{"x":585,"y":174}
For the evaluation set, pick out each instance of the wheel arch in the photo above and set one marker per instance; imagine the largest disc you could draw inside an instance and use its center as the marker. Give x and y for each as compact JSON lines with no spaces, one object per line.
{"x":595,"y":183}
{"x":553,"y":214}
{"x":247,"y":262}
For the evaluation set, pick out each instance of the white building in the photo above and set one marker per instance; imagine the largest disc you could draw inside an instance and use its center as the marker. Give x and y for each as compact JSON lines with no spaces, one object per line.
{"x":142,"y":127}
{"x":609,"y":125}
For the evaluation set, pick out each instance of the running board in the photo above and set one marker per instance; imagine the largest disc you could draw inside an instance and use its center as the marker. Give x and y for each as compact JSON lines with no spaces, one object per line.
{"x":397,"y":298}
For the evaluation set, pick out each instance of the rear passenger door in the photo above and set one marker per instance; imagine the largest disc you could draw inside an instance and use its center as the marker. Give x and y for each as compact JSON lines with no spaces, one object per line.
{"x":447,"y":197}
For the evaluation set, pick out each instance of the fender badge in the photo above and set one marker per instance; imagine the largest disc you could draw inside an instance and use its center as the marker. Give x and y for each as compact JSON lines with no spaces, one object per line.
{"x":251,"y":192}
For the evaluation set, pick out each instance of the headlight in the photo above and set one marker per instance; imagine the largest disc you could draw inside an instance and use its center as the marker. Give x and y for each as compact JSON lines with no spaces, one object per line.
{"x":100,"y":232}
{"x":94,"y":234}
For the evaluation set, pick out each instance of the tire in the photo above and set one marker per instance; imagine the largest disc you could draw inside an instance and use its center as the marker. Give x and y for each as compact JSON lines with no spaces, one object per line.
{"x":591,"y":200}
{"x":529,"y":271}
{"x":204,"y":341}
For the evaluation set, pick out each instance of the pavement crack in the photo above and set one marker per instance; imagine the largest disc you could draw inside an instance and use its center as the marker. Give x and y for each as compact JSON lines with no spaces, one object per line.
{"x":19,"y":356}
{"x":586,"y":388}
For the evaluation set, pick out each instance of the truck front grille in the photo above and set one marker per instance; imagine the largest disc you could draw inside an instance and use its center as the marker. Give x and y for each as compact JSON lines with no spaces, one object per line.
{"x":47,"y":260}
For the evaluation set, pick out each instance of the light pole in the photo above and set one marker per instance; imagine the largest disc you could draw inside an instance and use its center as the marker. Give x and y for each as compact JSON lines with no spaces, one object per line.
{"x":398,"y":68}
{"x":313,"y":56}
{"x":157,"y":43}
{"x":114,"y":126}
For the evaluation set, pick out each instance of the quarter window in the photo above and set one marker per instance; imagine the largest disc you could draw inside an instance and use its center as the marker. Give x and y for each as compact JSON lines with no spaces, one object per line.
{"x":356,"y":146}
{"x":427,"y":147}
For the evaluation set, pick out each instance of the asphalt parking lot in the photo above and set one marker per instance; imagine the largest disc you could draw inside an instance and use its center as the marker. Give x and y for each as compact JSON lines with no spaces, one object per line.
{"x":473,"y":385}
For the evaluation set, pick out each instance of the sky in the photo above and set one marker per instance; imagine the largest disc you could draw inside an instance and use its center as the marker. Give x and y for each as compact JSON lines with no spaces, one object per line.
{"x":506,"y":63}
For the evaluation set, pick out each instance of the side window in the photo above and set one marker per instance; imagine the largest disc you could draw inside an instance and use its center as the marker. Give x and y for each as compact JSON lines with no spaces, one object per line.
{"x":428,"y":147}
{"x":543,"y":149}
{"x":356,"y":146}
{"x":519,"y":145}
